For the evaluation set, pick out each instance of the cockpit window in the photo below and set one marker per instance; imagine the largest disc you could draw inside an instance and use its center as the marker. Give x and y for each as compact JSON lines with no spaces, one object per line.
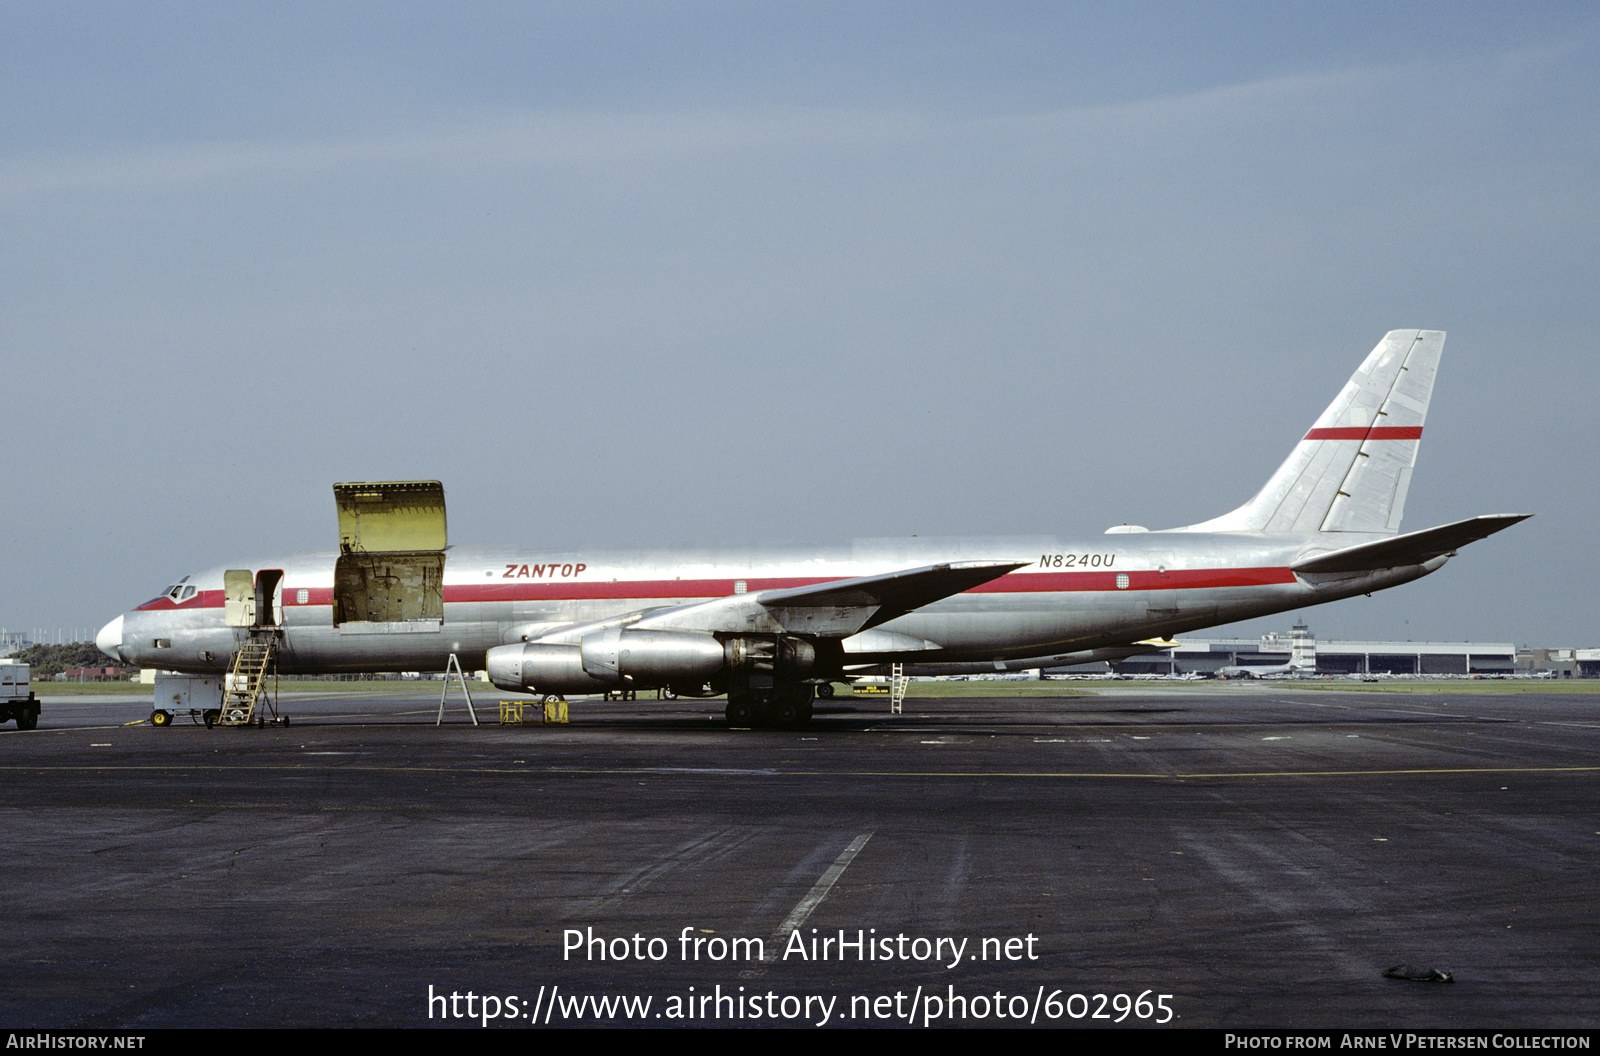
{"x":177,"y":593}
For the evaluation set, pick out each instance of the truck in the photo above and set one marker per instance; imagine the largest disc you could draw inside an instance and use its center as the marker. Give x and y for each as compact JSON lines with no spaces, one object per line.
{"x":16,"y":695}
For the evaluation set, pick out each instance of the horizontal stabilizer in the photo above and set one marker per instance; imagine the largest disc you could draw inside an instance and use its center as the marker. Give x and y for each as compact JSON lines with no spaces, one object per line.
{"x":1414,"y":548}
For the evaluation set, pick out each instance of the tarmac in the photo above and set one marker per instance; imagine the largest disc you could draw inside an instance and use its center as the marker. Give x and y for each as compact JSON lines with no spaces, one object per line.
{"x":1212,"y":855}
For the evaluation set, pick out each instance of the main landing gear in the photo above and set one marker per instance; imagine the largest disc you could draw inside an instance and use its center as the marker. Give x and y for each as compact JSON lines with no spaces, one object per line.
{"x":781,"y":707}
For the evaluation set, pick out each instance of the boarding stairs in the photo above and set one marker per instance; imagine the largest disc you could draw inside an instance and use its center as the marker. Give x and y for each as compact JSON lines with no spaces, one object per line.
{"x":245,"y":701}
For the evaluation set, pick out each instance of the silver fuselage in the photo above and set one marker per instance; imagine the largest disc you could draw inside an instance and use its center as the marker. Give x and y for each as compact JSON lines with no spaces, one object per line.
{"x":1072,"y":596}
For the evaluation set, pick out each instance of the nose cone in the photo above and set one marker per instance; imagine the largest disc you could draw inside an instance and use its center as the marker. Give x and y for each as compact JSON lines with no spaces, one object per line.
{"x":109,"y":640}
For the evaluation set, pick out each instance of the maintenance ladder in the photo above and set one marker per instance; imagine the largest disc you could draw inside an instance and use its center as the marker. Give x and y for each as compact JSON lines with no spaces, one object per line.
{"x":244,"y":696}
{"x":897,"y":688}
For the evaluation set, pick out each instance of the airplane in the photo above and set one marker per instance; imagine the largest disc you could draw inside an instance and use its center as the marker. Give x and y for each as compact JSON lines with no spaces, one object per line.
{"x":1263,"y":671}
{"x":773,"y":628}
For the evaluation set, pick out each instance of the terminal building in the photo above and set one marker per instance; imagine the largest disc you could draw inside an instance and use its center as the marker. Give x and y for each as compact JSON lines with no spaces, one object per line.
{"x":1300,"y":653}
{"x":1559,"y":663}
{"x":1588,"y":661}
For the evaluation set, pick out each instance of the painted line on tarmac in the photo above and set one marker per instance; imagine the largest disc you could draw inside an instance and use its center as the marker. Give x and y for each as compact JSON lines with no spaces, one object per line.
{"x":668,"y":772}
{"x":79,"y":729}
{"x":1155,"y":777}
{"x":819,"y":891}
{"x":1398,"y":711}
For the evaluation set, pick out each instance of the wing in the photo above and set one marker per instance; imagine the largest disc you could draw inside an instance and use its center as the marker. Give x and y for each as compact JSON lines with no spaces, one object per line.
{"x":1109,"y":653}
{"x":692,"y":643}
{"x":836,"y":609}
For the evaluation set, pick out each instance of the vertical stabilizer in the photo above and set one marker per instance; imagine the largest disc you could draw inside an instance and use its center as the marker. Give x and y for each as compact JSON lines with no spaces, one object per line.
{"x":1350,"y":472}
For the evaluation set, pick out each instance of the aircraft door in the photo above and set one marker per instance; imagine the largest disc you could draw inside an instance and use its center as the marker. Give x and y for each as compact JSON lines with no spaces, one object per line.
{"x":238,"y":598}
{"x":269,"y":598}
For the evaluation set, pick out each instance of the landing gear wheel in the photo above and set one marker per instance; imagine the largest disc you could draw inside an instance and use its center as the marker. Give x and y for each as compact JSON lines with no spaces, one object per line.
{"x":786,"y":713}
{"x":160,"y":718}
{"x":789,"y":709}
{"x":741,"y":713}
{"x":212,"y":715}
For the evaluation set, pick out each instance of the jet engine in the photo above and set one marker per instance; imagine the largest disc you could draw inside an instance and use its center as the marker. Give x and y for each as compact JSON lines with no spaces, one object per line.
{"x":652,"y":657}
{"x":543,"y":668}
{"x":616,"y":658}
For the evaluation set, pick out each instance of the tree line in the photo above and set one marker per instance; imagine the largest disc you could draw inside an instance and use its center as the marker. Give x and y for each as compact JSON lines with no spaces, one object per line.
{"x":47,"y":661}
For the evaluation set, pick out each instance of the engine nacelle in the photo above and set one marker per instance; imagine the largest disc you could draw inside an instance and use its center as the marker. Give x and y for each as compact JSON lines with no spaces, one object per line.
{"x":617,"y":658}
{"x":652,"y":657}
{"x":784,"y":657}
{"x":544,"y":668}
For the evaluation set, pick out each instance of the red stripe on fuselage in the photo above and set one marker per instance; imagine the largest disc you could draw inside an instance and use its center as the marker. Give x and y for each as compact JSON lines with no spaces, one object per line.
{"x":1171,"y":579}
{"x":676,"y":589}
{"x":1361,"y":432}
{"x":1014,"y":583}
{"x":214,"y":599}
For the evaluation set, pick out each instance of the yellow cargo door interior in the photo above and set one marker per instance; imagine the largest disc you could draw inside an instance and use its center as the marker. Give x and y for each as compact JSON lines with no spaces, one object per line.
{"x":390,"y":571}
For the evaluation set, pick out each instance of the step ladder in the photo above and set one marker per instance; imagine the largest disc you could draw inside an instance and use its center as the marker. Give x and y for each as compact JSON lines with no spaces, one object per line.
{"x":897,"y":688}
{"x":244,"y":694}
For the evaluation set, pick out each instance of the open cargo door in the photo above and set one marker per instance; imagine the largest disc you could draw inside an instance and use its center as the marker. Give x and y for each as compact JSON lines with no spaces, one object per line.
{"x":390,"y":573}
{"x":399,"y":516}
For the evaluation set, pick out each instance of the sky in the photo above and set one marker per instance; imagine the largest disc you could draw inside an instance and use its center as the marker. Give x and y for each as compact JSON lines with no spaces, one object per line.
{"x":638,"y":275}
